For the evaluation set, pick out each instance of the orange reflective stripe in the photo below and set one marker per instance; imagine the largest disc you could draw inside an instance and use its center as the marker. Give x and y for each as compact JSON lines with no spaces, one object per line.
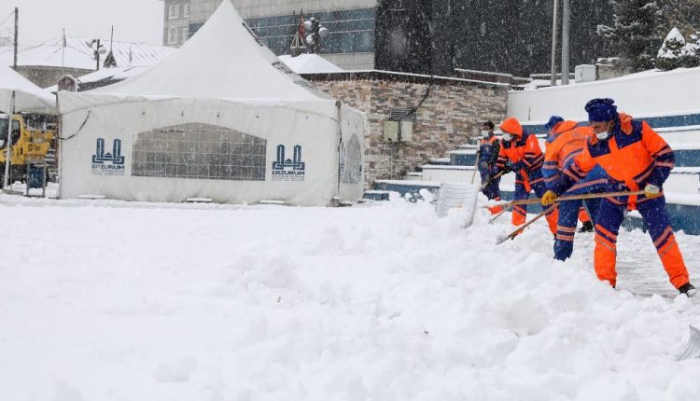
{"x":606,"y":232}
{"x":663,"y":152}
{"x":663,"y":236}
{"x":599,"y":239}
{"x":569,"y":238}
{"x":586,"y":184}
{"x":566,"y":229}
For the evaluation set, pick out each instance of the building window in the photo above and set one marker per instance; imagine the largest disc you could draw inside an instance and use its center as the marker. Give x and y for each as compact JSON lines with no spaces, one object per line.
{"x":186,"y":10}
{"x":185,"y":34}
{"x":172,"y":36}
{"x":173,"y":11}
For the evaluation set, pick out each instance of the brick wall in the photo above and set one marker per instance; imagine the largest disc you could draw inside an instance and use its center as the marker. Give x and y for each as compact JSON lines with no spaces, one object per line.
{"x":449,"y":116}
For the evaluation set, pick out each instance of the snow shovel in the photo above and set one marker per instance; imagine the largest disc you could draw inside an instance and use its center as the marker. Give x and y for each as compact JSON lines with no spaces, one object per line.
{"x":476,"y":163}
{"x":515,"y":233}
{"x":692,"y":350}
{"x":460,"y":196}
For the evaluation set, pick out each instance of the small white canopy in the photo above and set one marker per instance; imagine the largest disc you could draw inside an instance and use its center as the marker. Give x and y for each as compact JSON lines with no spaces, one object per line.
{"x":28,"y":97}
{"x":310,"y":64}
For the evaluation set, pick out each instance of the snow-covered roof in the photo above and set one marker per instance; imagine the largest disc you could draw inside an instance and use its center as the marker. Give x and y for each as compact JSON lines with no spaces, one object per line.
{"x":78,"y":53}
{"x":309,"y":64}
{"x":28,"y":97}
{"x":104,"y":77}
{"x":223,"y":60}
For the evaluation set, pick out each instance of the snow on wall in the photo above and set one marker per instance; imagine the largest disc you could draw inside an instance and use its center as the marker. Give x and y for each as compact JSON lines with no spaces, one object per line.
{"x":649,"y":93}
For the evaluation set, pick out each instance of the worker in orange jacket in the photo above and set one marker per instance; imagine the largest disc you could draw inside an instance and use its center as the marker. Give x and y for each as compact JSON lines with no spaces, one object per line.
{"x":634,"y":156}
{"x":523,"y":152}
{"x":566,"y":140}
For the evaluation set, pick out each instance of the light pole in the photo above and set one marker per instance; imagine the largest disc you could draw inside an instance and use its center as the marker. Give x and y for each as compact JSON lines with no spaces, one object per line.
{"x":565,"y":41}
{"x":553,"y":81}
{"x":98,"y":49}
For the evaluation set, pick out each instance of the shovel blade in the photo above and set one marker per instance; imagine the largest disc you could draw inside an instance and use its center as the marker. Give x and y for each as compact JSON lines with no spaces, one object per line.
{"x":692,"y":350}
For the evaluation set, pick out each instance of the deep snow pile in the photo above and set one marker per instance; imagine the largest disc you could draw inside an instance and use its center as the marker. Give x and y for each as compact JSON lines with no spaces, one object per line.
{"x":122,"y":301}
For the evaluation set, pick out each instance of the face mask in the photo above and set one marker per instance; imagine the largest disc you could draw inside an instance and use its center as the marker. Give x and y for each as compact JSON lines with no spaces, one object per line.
{"x":485,"y":134}
{"x":602,"y":135}
{"x":507,"y":137}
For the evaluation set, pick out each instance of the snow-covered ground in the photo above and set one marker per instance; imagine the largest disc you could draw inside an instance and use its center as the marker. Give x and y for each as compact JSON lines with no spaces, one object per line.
{"x":106,"y":300}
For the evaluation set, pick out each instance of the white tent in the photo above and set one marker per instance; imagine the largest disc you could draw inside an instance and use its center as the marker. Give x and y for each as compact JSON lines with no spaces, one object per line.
{"x":223,"y":119}
{"x":28,"y":97}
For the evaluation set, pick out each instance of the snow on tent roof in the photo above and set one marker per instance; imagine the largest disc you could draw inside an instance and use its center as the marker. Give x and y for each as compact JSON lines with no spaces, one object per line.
{"x":223,"y":60}
{"x":28,"y":97}
{"x":310,"y":64}
{"x":77,"y":53}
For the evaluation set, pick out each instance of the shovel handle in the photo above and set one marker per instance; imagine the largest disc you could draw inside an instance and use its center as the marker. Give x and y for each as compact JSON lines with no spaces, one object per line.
{"x":565,"y":198}
{"x":491,"y":179}
{"x":534,"y":219}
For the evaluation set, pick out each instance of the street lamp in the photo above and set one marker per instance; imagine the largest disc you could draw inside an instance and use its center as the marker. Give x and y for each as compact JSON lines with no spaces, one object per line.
{"x":98,"y":49}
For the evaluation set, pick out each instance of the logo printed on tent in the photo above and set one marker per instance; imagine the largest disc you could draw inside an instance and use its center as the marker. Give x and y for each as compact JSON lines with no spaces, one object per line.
{"x":288,"y":169}
{"x":282,"y":67}
{"x":108,"y":163}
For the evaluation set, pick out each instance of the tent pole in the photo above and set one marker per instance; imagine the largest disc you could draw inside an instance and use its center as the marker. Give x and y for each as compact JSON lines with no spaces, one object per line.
{"x":340,"y":145}
{"x":8,"y":142}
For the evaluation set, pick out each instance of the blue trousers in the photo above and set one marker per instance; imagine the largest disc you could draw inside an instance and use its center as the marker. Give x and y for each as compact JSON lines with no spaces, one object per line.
{"x":490,"y":189}
{"x":566,"y":226}
{"x":523,"y":186}
{"x":654,"y":213}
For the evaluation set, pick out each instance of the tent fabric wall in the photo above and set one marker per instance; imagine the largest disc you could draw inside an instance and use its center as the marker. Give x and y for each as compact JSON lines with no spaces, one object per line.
{"x":351,"y":172}
{"x":222,"y":88}
{"x":314,"y":184}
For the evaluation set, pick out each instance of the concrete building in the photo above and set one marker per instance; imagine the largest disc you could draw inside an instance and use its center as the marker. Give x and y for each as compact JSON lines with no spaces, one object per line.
{"x":417,"y":36}
{"x":349,"y":44}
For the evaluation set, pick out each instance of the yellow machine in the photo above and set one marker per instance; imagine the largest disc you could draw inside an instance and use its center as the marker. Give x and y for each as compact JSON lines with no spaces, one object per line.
{"x":33,"y":143}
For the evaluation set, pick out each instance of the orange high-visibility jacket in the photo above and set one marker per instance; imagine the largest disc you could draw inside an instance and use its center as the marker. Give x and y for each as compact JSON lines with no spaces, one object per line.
{"x":634,"y":156}
{"x":566,"y":142}
{"x":522,"y":152}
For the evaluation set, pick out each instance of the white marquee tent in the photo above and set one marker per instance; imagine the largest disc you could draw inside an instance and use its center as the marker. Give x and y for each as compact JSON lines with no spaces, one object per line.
{"x":28,"y":97}
{"x":222,"y":118}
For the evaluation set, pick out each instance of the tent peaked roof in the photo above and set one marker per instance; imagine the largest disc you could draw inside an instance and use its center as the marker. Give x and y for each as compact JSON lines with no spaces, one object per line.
{"x":28,"y":97}
{"x":223,"y":60}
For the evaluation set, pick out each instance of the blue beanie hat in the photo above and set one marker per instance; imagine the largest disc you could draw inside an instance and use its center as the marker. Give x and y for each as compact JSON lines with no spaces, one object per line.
{"x":553,"y":121}
{"x":601,"y":110}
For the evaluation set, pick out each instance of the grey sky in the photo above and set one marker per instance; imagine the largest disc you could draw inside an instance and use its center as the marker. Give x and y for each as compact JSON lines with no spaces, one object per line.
{"x":42,"y":20}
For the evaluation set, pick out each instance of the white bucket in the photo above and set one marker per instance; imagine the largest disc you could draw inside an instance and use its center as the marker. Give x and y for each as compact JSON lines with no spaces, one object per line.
{"x":457,"y":195}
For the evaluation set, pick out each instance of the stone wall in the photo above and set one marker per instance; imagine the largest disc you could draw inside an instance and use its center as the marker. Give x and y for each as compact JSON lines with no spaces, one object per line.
{"x":449,"y":116}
